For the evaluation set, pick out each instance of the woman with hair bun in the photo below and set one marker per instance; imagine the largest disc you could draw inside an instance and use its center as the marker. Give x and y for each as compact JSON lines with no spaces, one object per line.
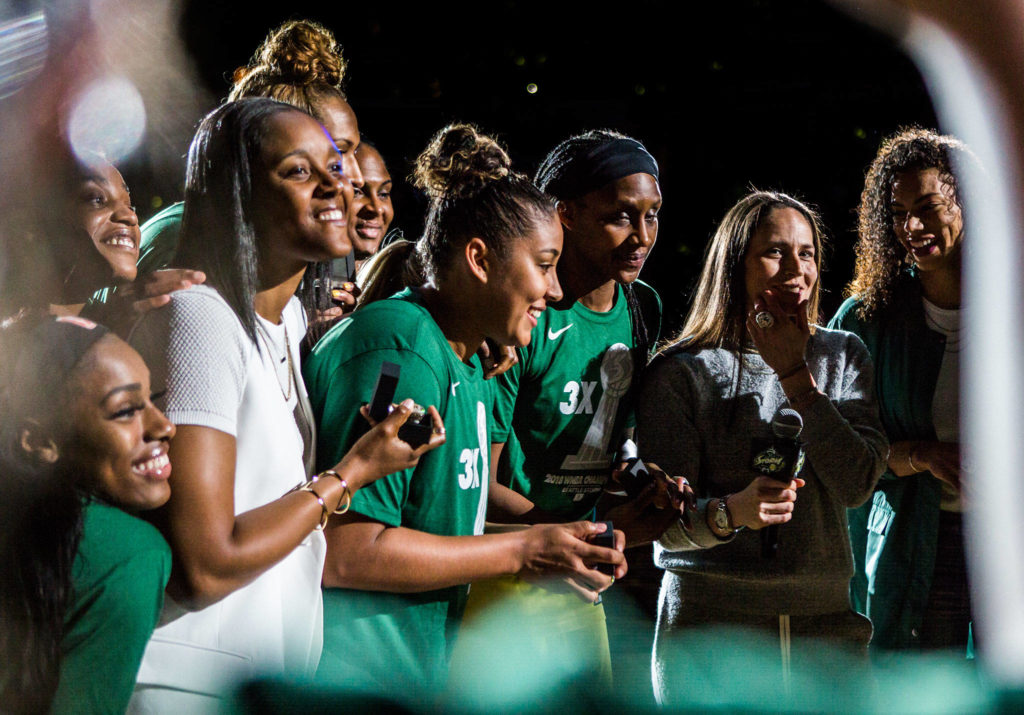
{"x":399,"y":561}
{"x":904,"y":302}
{"x":564,"y":409}
{"x":299,"y":63}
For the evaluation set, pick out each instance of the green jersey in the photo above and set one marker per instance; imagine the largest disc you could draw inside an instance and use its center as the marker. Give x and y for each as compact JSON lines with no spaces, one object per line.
{"x":118,"y":581}
{"x":563,"y":409}
{"x":380,"y":637}
{"x":160,"y":239}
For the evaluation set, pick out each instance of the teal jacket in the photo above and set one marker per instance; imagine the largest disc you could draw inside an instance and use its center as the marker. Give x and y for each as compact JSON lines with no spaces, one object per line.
{"x":894,"y":535}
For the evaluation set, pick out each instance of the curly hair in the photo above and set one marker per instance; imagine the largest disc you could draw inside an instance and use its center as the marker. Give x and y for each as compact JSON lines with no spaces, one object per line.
{"x":299,"y":63}
{"x":879,"y":252}
{"x":473,"y":192}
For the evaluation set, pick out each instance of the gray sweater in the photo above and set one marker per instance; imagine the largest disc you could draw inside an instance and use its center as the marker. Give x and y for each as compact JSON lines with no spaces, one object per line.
{"x":693,"y":422}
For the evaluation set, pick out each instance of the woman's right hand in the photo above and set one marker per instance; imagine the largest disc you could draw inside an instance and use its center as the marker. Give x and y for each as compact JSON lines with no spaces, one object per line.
{"x":153,"y":290}
{"x":783,"y":344}
{"x":660,"y":504}
{"x":345,"y":296}
{"x":381,"y":451}
{"x":496,"y":359}
{"x":765,"y":501}
{"x":557,"y":551}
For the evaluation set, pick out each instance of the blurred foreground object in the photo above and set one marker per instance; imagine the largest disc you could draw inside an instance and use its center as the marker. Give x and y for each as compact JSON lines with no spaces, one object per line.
{"x":973,"y":61}
{"x":23,"y":45}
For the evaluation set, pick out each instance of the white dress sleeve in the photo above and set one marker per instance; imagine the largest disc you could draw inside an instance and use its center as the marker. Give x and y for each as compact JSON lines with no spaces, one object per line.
{"x":197,"y":352}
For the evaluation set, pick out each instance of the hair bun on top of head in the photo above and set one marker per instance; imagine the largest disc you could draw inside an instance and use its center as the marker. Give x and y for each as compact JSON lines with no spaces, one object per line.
{"x":299,"y":52}
{"x":459,"y":162}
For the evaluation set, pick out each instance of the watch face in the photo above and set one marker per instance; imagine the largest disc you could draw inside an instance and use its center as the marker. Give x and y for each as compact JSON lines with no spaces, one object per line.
{"x":721,"y":519}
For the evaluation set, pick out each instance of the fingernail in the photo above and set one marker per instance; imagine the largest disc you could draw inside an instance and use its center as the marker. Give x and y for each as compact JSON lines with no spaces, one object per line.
{"x":407,"y":403}
{"x":347,"y":286}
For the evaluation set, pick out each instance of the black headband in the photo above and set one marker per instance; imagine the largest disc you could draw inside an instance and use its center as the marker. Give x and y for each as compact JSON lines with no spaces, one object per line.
{"x":602,"y":165}
{"x":50,"y":352}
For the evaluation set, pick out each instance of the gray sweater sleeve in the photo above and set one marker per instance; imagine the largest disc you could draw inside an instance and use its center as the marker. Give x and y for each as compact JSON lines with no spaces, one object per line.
{"x":667,"y":436}
{"x":843,"y":436}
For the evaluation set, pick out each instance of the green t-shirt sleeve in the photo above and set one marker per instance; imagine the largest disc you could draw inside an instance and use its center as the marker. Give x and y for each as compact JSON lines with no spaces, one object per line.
{"x":506,"y":388}
{"x":118,"y":594}
{"x":351,"y":385}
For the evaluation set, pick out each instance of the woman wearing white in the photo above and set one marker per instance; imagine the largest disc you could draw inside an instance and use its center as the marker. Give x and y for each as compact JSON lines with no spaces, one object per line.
{"x":265,"y":196}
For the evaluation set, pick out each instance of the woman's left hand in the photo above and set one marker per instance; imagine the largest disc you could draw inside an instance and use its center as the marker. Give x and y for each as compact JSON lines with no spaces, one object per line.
{"x":782,"y":345}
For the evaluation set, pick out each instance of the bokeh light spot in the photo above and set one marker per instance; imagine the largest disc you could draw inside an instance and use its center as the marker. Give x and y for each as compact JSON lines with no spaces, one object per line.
{"x":108,"y":118}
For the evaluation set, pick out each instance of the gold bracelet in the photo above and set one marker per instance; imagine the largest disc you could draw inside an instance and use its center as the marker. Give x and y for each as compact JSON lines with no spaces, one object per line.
{"x":326,"y":513}
{"x":346,"y":493}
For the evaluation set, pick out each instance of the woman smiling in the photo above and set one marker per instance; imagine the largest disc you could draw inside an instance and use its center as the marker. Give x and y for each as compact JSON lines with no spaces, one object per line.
{"x":747,"y":352}
{"x":372,"y":211}
{"x":265,"y":198}
{"x":905,"y":303}
{"x":564,"y":409}
{"x":398,"y":563}
{"x":82,"y":448}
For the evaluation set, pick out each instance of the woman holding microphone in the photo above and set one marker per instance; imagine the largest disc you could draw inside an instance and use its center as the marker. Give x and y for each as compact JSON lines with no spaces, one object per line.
{"x":750,"y":349}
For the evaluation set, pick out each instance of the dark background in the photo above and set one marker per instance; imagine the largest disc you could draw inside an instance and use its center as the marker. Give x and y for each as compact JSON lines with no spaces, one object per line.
{"x":791,"y":95}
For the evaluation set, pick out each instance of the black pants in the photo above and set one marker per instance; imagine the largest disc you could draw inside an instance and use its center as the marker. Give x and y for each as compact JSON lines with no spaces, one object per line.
{"x":947,"y":617}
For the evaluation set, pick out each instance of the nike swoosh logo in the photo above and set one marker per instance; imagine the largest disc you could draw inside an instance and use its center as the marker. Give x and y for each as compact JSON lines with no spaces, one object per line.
{"x":555,"y":334}
{"x":454,"y":385}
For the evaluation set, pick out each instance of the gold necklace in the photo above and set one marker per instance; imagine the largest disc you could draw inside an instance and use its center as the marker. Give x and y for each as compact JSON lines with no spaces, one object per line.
{"x":288,"y":357}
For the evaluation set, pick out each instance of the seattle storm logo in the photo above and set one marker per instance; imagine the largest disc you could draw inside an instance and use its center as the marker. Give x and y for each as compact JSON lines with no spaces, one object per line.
{"x":771,"y":462}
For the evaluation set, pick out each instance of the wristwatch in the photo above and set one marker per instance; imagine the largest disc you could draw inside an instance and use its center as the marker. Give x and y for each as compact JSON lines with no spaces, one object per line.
{"x":721,"y":518}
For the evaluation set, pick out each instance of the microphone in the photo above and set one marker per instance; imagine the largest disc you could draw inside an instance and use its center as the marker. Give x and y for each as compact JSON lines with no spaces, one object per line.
{"x":781,"y":458}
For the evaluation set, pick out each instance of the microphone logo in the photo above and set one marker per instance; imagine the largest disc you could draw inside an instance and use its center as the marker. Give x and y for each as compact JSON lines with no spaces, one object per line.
{"x":771,"y":461}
